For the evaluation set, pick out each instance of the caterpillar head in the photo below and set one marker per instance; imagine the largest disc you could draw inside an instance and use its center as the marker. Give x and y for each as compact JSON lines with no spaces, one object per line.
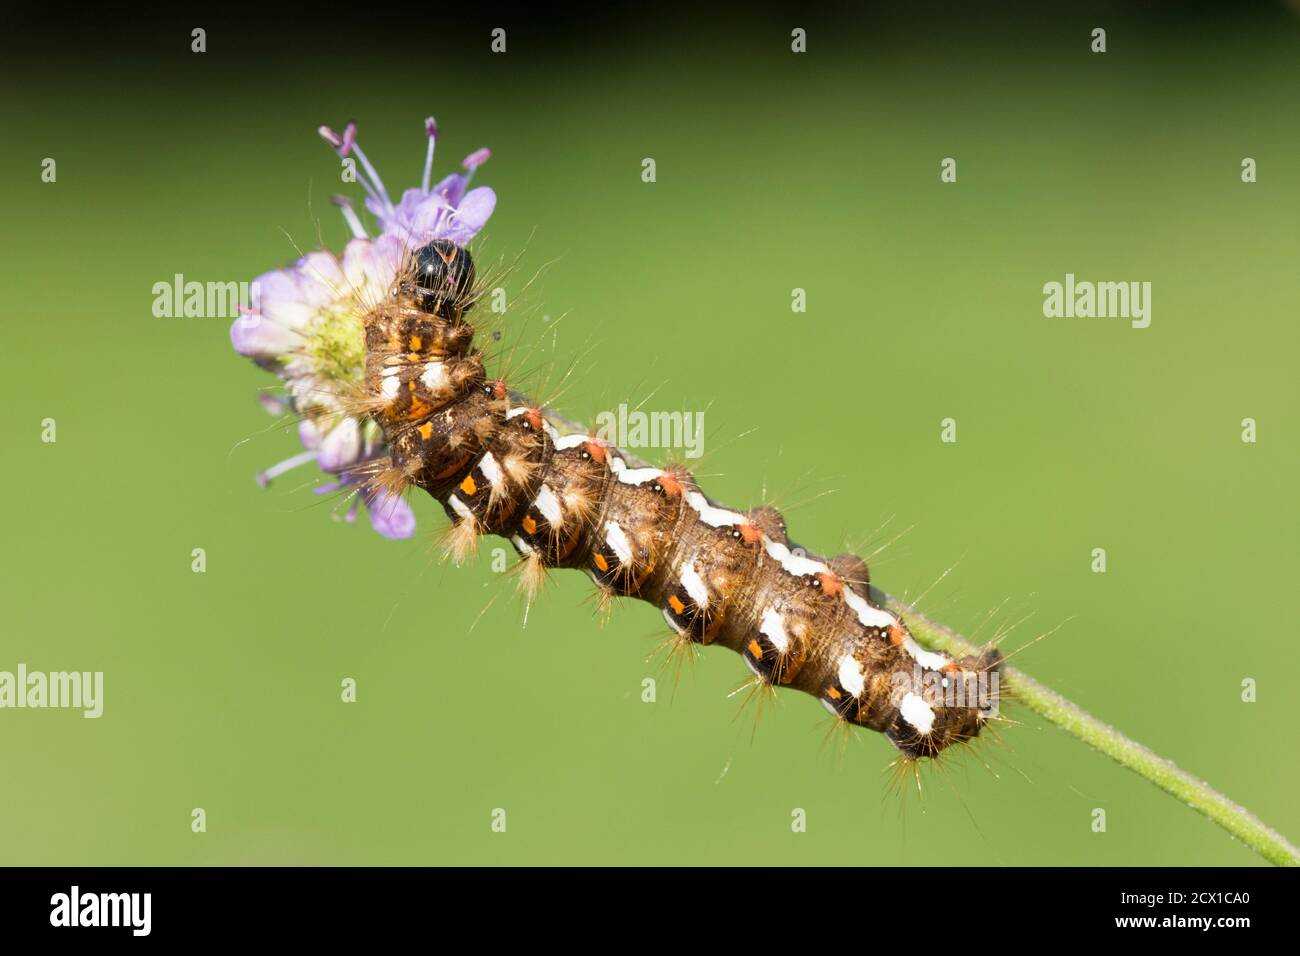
{"x":443,"y":274}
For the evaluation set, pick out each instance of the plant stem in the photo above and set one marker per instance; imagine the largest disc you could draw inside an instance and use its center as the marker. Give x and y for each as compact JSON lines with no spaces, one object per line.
{"x":1074,"y":720}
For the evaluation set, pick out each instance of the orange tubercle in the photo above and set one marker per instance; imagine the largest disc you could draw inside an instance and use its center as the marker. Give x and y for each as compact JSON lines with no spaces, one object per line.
{"x":671,"y":486}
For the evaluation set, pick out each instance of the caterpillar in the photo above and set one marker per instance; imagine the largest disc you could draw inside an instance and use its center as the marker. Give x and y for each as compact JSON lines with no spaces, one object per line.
{"x":720,"y":577}
{"x":416,"y":409}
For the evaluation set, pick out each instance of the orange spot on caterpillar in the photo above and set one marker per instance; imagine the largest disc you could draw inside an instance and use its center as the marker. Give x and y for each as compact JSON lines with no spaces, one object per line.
{"x":416,"y":343}
{"x":951,"y":667}
{"x":671,"y":486}
{"x":750,"y":534}
{"x":499,"y":390}
{"x":831,"y":584}
{"x":468,"y":486}
{"x":534,"y":418}
{"x":676,"y":604}
{"x":897,"y":635}
{"x":596,"y":450}
{"x":426,"y":430}
{"x":832,"y":693}
{"x":529,"y":525}
{"x":418,"y":409}
{"x":756,"y":649}
{"x":600,"y":562}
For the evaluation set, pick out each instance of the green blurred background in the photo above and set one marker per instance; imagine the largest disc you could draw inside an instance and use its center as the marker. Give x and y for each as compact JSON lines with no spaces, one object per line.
{"x":775,"y":171}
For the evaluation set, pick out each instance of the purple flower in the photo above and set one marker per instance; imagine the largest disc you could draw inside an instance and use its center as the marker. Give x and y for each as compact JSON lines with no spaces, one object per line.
{"x":390,"y":514}
{"x":448,"y":210}
{"x":333,"y":452}
{"x":305,"y":322}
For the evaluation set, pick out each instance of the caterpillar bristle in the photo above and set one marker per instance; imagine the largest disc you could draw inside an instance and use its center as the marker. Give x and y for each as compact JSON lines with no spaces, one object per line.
{"x":675,"y":653}
{"x":532,"y":576}
{"x":581,"y":505}
{"x":898,"y":772}
{"x":603,"y":598}
{"x":460,"y":541}
{"x":758,"y":694}
{"x":519,"y":470}
{"x":390,"y":479}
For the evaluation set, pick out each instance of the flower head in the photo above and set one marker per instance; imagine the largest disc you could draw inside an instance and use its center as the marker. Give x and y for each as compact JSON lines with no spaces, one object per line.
{"x":305,"y":322}
{"x":447,"y":210}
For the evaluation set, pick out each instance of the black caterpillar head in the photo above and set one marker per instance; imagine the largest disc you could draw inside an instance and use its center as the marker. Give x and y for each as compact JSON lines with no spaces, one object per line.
{"x":444,"y":274}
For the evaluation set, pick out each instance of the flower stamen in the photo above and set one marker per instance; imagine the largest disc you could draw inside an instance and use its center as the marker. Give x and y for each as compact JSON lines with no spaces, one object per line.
{"x":430,"y":128}
{"x":350,"y":216}
{"x":275,"y":471}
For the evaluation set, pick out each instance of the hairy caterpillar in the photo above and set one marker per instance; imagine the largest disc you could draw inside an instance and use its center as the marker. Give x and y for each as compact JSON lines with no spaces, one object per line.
{"x":719,"y":576}
{"x":379,"y":361}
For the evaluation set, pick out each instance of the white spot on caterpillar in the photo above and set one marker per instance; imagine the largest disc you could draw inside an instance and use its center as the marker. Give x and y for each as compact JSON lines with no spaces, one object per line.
{"x":917,"y":712}
{"x":793,"y":563}
{"x":930,"y":660}
{"x":773,"y":628}
{"x":616,"y":538}
{"x":636,"y":476}
{"x":694,"y":584}
{"x":516,"y":412}
{"x":491,"y":470}
{"x":392,"y":370}
{"x":460,"y":508}
{"x":548,"y":506}
{"x":390,"y":386}
{"x":565,"y":442}
{"x":714,"y":517}
{"x":673,"y":624}
{"x":868,"y":615}
{"x":850,"y":674}
{"x":434,"y":376}
{"x":523,"y":546}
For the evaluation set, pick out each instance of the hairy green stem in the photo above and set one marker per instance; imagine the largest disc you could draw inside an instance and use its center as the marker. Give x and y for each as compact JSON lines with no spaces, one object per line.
{"x":1074,"y":720}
